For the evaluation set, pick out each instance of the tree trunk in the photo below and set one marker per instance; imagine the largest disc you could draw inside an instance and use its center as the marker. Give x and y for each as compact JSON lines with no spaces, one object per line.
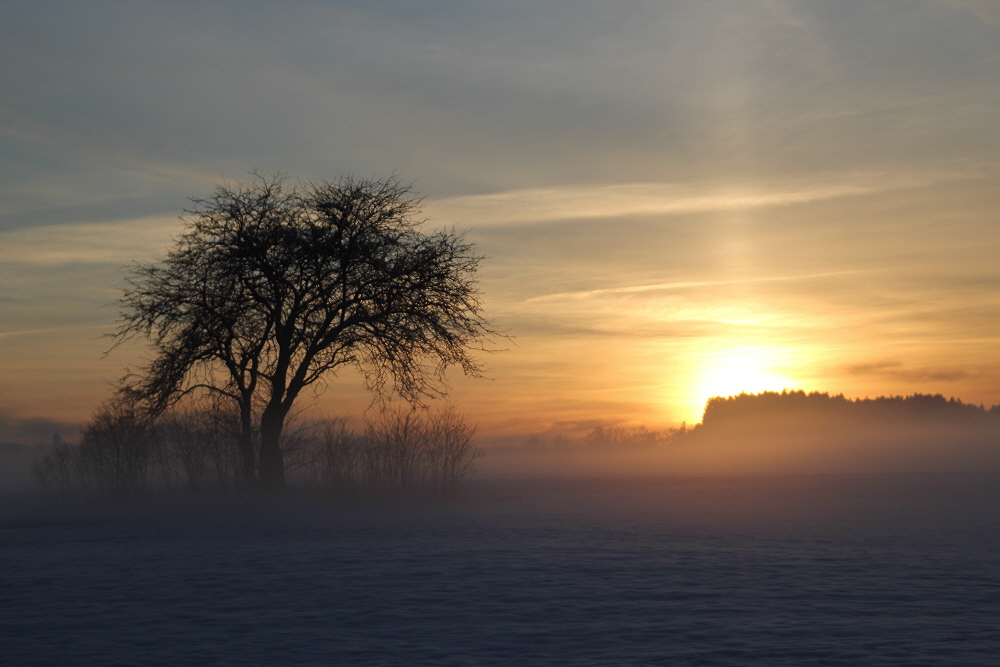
{"x":271,"y":464}
{"x":249,"y":460}
{"x":247,"y":454}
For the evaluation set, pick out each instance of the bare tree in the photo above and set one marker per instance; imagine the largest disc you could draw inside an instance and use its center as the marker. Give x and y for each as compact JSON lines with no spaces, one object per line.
{"x":450,"y":449}
{"x":185,"y":438}
{"x":117,"y":449}
{"x":395,"y":450}
{"x":272,"y":289}
{"x":334,"y":460}
{"x":200,"y":441}
{"x":417,"y":451}
{"x":59,"y":471}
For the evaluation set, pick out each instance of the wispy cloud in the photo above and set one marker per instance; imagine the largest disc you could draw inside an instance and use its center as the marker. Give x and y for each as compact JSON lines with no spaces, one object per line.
{"x":37,"y":133}
{"x":685,"y":285}
{"x":986,"y":10}
{"x":31,"y":332}
{"x":609,"y":201}
{"x":896,"y":370}
{"x":115,"y":243}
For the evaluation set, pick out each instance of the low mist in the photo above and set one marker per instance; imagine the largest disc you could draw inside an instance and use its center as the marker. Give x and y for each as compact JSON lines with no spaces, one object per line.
{"x":766,"y":434}
{"x":775,"y":434}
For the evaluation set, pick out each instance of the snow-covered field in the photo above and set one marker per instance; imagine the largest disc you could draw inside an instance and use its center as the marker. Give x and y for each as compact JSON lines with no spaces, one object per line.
{"x":834,"y":570}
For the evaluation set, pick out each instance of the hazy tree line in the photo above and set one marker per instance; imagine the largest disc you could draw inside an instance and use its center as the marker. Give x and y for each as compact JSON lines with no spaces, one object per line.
{"x":806,"y":417}
{"x":630,"y":436}
{"x":122,"y":454}
{"x":774,"y":406}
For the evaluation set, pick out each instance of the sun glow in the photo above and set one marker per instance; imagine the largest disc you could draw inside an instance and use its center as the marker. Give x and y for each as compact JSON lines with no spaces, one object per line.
{"x":736,"y":370}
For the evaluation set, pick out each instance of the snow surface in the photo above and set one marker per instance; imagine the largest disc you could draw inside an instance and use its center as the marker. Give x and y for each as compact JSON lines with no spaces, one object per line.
{"x":834,"y":570}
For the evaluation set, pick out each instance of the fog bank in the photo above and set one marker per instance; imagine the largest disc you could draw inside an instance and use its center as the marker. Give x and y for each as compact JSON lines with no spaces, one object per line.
{"x":783,"y":433}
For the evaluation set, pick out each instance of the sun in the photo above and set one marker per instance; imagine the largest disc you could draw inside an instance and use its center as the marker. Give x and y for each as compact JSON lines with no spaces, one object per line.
{"x":732,"y":371}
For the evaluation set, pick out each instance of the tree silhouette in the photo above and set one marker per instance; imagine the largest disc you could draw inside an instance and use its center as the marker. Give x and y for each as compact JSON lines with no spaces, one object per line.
{"x":271,"y":289}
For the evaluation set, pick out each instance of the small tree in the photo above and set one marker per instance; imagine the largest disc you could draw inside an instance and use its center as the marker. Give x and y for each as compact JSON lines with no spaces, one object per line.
{"x":395,"y":451}
{"x":450,"y":449}
{"x":272,"y":289}
{"x":335,"y":460}
{"x":117,"y":449}
{"x":417,"y":451}
{"x":201,"y":441}
{"x":59,"y":470}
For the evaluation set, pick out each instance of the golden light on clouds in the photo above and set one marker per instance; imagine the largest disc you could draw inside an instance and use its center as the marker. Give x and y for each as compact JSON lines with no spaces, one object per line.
{"x":666,"y":213}
{"x":535,"y":205}
{"x":116,"y":243}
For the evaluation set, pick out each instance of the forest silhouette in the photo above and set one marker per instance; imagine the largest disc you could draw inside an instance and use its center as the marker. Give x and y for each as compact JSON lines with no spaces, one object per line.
{"x":868,"y":434}
{"x":786,"y":432}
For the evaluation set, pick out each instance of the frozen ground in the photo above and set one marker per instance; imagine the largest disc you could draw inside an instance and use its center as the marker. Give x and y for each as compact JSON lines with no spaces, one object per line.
{"x":862,"y":570}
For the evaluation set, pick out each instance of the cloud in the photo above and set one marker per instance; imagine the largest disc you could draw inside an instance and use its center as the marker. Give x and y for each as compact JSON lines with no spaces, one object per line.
{"x":986,"y":10}
{"x":32,"y":431}
{"x":896,"y":370}
{"x":29,"y":332}
{"x":627,"y":199}
{"x":116,"y":243}
{"x":65,"y":139}
{"x":574,"y":326}
{"x":684,"y":285}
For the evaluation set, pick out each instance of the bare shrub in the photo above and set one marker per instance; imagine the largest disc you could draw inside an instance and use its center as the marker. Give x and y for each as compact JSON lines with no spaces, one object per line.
{"x":338,"y":464}
{"x":400,"y":452}
{"x":450,"y":450}
{"x":203,"y":443}
{"x":59,"y":471}
{"x":407,"y":451}
{"x":115,"y":451}
{"x":394,"y":449}
{"x":183,"y":433}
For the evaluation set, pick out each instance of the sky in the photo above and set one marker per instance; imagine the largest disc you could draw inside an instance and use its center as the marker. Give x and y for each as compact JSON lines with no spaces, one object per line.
{"x":675,"y":200}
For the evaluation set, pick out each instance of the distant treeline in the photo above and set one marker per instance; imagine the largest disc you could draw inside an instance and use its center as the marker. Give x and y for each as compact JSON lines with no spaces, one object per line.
{"x":121,"y":455}
{"x":938,"y":427}
{"x":791,"y":414}
{"x":774,"y":407}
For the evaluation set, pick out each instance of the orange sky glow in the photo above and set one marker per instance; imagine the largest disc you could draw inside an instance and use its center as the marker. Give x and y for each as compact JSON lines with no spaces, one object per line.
{"x":686,"y":202}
